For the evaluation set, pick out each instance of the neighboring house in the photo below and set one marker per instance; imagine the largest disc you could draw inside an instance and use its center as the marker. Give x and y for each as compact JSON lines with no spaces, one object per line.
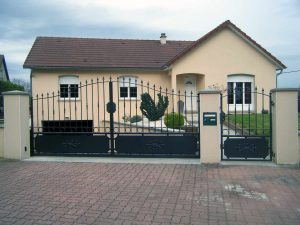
{"x":3,"y":69}
{"x":3,"y":76}
{"x":225,"y":58}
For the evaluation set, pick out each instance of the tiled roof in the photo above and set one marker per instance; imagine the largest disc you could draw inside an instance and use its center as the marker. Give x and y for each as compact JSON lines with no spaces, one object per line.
{"x":89,"y":53}
{"x":101,"y":53}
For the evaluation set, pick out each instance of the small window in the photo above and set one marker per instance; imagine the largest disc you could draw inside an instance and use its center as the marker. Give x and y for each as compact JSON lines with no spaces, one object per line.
{"x":128,"y":87}
{"x":68,"y":86}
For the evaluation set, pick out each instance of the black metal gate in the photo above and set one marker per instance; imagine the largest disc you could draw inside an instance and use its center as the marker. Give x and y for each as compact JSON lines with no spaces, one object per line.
{"x":246,"y":128}
{"x":103,"y":118}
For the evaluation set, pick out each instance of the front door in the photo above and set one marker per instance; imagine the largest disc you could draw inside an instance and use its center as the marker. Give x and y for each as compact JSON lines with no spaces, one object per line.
{"x":190,"y":86}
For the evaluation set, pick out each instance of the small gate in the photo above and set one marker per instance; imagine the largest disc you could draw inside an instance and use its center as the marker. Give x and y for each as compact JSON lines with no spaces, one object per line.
{"x":246,"y":128}
{"x":103,"y":118}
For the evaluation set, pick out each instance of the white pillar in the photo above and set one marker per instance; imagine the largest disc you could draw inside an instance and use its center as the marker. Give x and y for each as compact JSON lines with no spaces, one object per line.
{"x":16,"y":125}
{"x":210,"y":139}
{"x":285,"y":125}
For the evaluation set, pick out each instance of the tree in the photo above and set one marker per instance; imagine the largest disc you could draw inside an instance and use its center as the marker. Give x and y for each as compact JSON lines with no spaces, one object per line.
{"x":22,"y":82}
{"x":9,"y":86}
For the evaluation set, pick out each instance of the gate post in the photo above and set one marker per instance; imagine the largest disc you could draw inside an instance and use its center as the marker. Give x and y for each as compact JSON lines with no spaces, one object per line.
{"x":16,"y":125}
{"x":285,"y":125}
{"x":210,"y":139}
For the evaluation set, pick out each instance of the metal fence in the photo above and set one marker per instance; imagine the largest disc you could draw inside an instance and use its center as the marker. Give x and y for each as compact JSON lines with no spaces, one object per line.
{"x":109,"y":113}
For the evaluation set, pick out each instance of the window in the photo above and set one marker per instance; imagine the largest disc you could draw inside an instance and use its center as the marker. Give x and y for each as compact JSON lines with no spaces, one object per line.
{"x":240,"y":92}
{"x":128,"y":87}
{"x":68,"y":86}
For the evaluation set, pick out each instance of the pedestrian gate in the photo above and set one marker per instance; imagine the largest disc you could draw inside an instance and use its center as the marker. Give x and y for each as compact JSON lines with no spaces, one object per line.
{"x":246,"y":128}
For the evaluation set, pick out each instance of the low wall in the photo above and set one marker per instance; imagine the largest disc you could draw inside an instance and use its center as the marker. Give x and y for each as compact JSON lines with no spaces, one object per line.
{"x":1,"y":140}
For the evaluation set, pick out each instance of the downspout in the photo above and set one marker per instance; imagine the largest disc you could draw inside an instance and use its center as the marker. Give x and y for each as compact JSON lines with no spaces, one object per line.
{"x":277,"y":74}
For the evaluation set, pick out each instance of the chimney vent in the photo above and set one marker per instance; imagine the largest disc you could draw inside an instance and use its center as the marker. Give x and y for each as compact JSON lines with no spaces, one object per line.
{"x":163,"y":39}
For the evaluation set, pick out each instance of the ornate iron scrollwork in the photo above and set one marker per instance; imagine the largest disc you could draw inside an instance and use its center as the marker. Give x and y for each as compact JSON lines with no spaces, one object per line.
{"x":155,"y":145}
{"x":71,"y":143}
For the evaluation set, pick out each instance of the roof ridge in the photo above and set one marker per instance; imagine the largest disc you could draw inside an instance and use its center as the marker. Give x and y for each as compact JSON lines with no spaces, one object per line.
{"x":120,"y":39}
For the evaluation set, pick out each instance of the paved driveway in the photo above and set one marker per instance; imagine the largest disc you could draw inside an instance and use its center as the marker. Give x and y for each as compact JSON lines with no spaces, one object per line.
{"x":96,"y":193}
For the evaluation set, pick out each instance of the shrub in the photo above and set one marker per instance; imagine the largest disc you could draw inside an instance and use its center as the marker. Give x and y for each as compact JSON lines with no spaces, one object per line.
{"x":150,"y":110}
{"x":174,"y":120}
{"x":135,"y":119}
{"x":8,"y":86}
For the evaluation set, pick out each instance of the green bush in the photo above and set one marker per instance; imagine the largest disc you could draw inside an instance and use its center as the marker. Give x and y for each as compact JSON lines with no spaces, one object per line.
{"x":150,"y":110}
{"x":135,"y":119}
{"x":8,"y":86}
{"x":174,"y":120}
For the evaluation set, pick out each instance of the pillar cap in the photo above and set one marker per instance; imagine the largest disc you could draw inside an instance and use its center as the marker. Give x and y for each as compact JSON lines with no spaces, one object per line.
{"x":285,"y":89}
{"x":209,"y":91}
{"x":15,"y":93}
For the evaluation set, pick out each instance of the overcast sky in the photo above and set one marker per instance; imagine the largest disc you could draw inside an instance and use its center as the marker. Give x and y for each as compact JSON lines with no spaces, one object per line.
{"x":272,"y":23}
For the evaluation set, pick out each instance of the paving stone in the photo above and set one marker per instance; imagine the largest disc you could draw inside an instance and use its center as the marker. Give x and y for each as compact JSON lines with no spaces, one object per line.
{"x":147,"y":194}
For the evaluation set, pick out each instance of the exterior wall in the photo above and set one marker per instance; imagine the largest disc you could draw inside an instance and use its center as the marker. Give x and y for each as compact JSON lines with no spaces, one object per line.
{"x":44,"y":82}
{"x":1,"y":141}
{"x":226,"y":54}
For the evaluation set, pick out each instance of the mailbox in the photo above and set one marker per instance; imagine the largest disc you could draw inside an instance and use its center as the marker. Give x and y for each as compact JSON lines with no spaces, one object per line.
{"x":209,"y":119}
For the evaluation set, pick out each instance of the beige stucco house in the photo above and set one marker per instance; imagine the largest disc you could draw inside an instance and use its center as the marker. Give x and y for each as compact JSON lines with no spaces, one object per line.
{"x":225,"y":58}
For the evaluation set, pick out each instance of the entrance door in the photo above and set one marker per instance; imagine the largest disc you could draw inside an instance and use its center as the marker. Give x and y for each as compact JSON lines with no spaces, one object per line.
{"x":190,"y":87}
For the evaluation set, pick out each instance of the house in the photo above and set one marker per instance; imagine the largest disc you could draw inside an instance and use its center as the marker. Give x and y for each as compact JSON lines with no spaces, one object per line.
{"x":3,"y":69}
{"x":225,"y":58}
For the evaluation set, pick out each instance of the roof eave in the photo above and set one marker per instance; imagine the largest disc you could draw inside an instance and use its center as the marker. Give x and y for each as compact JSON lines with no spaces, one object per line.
{"x":35,"y":67}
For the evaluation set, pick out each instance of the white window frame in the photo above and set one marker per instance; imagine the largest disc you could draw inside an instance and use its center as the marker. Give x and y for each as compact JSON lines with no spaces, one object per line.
{"x":241,"y":78}
{"x":68,"y":80}
{"x":124,"y":82}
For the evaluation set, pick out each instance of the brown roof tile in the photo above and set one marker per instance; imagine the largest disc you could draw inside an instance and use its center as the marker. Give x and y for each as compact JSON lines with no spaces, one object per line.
{"x":101,"y":53}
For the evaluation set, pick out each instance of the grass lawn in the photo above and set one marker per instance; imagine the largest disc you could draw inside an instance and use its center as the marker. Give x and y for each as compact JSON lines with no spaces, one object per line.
{"x":256,"y":124}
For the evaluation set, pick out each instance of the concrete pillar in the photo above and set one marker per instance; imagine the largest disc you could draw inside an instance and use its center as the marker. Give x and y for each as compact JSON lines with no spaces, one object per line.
{"x":16,"y":125}
{"x":210,"y":138}
{"x":285,"y":125}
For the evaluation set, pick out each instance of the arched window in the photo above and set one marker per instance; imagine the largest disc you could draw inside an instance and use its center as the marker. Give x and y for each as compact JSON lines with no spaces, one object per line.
{"x":68,"y":86}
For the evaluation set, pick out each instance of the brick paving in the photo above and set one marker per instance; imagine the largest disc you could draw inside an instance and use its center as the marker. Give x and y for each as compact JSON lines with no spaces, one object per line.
{"x":147,"y":194}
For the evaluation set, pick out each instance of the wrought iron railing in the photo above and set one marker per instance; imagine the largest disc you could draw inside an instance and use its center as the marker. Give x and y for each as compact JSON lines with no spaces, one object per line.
{"x":85,"y":109}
